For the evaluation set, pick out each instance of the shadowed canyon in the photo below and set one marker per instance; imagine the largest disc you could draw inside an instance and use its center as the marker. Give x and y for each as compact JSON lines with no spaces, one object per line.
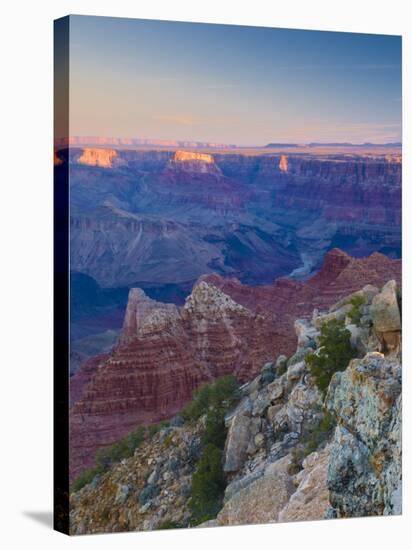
{"x":190,"y":264}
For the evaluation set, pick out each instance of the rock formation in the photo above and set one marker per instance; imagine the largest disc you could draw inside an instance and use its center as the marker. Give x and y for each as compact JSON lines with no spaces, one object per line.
{"x":163,"y":355}
{"x":98,"y":157}
{"x":283,"y":163}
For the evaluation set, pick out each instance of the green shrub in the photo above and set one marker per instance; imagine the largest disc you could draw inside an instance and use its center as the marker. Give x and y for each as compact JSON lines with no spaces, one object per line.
{"x":220,"y":394}
{"x":208,"y":485}
{"x":215,"y":430}
{"x":355,"y":313}
{"x":334,"y":353}
{"x":208,"y":482}
{"x":153,"y":429}
{"x":124,"y":448}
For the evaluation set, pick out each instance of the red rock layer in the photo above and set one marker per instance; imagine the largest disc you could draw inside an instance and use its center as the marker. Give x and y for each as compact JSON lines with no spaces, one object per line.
{"x":84,"y":374}
{"x":225,"y":327}
{"x":339,"y":276}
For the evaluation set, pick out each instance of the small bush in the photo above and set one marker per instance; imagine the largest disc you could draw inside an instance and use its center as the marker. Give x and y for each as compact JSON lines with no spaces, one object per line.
{"x":124,"y":448}
{"x":355,"y":313}
{"x":153,"y":429}
{"x":282,"y":369}
{"x":334,"y":353}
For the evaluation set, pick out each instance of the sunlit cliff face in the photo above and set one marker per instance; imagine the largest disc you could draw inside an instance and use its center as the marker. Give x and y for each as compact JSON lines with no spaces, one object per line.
{"x":283,"y":163}
{"x":56,"y":159}
{"x":98,"y":157}
{"x":188,"y":156}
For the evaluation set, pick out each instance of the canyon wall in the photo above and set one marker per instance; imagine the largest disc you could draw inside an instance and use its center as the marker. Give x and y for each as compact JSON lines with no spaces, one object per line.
{"x":256,"y":217}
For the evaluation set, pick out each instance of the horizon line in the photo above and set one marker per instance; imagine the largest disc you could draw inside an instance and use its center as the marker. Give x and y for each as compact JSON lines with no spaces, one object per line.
{"x":119,"y":140}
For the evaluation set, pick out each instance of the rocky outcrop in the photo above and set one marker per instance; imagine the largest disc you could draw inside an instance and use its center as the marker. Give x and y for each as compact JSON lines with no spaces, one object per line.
{"x":278,"y":463}
{"x":364,"y":476}
{"x":143,"y":492}
{"x":340,"y":276}
{"x":164,"y":353}
{"x":144,"y":315}
{"x":356,"y":470}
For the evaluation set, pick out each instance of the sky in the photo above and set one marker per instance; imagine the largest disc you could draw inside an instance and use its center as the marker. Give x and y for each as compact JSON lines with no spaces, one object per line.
{"x":232,"y":84}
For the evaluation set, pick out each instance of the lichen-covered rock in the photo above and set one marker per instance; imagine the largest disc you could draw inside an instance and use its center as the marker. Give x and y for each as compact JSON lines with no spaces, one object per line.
{"x":310,"y":501}
{"x":300,"y":410}
{"x":262,"y":500}
{"x":305,"y":332}
{"x":364,"y":474}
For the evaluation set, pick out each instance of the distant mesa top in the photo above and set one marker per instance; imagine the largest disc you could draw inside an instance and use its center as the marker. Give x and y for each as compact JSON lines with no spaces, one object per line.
{"x":189,"y":156}
{"x":98,"y":157}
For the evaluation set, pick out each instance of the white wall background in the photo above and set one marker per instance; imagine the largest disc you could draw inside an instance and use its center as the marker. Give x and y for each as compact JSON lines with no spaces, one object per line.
{"x":26,"y":269}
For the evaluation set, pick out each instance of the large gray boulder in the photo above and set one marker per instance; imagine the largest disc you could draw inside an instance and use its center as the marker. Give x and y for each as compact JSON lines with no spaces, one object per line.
{"x":239,"y":435}
{"x":385,"y":310}
{"x":262,"y":500}
{"x":386,"y":318}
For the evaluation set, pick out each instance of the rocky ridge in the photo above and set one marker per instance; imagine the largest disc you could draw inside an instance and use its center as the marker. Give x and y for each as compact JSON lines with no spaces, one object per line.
{"x":354,"y":469}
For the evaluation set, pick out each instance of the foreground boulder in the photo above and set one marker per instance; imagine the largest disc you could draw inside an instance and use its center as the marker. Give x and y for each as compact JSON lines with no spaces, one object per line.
{"x":310,"y":501}
{"x":262,"y":500}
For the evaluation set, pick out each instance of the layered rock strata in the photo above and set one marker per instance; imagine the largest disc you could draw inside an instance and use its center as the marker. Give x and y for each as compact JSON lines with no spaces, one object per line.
{"x":224,"y":327}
